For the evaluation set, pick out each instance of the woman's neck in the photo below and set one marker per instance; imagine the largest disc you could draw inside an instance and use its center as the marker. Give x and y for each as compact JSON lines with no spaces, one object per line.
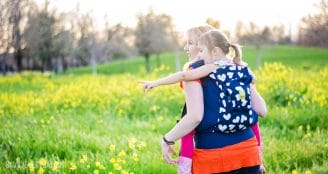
{"x":194,"y":59}
{"x":214,"y":59}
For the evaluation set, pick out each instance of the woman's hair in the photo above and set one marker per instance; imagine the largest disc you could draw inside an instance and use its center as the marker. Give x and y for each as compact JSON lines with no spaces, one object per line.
{"x":216,"y":38}
{"x":195,"y":32}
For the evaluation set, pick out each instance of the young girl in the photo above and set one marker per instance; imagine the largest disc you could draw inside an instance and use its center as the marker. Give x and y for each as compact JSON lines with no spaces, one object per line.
{"x":258,"y":103}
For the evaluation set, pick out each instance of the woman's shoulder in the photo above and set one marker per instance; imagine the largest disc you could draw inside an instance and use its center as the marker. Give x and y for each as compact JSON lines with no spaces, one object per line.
{"x":196,"y":64}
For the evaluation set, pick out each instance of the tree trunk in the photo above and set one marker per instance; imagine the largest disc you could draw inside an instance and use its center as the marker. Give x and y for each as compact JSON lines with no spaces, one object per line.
{"x":28,"y":62}
{"x":18,"y":55}
{"x":44,"y":68}
{"x":177,"y":61}
{"x":59,"y":64}
{"x":4,"y":66}
{"x":49,"y":66}
{"x":94,"y":65}
{"x":63,"y":63}
{"x":17,"y":36}
{"x":258,"y":56}
{"x":147,"y":62}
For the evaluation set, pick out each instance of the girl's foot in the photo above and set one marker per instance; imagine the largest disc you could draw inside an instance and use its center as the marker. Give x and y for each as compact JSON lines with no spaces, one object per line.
{"x":184,"y":165}
{"x":262,"y":169}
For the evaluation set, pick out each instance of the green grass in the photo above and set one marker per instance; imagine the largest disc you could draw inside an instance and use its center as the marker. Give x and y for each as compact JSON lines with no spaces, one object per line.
{"x":294,"y":56}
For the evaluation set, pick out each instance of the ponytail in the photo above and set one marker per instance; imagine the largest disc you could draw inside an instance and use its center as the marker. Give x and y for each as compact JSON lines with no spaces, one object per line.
{"x":216,"y":38}
{"x":238,"y":54}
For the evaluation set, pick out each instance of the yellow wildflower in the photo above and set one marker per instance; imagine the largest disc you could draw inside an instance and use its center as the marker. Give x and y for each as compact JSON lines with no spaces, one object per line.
{"x":294,"y":171}
{"x":98,"y":163}
{"x":73,"y":166}
{"x":308,"y":172}
{"x":85,"y":158}
{"x":30,"y":166}
{"x":41,"y":171}
{"x":82,"y":161}
{"x":55,"y":166}
{"x":135,"y":157}
{"x":131,"y":145}
{"x":112,"y":148}
{"x":102,"y":167}
{"x":122,"y":154}
{"x":141,"y":144}
{"x":125,"y":172}
{"x":160,"y":118}
{"x":117,"y":166}
{"x":43,"y":162}
{"x":112,"y":160}
{"x":132,"y":140}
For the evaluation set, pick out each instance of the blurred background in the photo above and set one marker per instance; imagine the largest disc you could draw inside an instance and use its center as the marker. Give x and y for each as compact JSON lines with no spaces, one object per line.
{"x":59,"y":35}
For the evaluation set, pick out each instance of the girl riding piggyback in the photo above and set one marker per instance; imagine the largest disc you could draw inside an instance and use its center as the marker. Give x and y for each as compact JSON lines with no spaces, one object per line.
{"x":236,"y":99}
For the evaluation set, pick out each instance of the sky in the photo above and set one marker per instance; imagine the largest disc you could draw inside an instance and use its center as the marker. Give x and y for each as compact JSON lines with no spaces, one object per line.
{"x":190,"y":13}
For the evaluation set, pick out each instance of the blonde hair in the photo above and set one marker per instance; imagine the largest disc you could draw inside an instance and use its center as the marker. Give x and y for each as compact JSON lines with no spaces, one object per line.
{"x":195,"y":32}
{"x":216,"y":38}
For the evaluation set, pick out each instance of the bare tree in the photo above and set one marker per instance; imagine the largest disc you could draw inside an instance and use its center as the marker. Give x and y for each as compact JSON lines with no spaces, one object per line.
{"x":153,"y":34}
{"x":39,"y":34}
{"x":62,"y":47}
{"x":12,"y":15}
{"x":5,"y":33}
{"x":84,"y":31}
{"x":254,"y":35}
{"x":119,"y":43}
{"x":119,"y":39}
{"x":17,"y":10}
{"x":314,"y":28}
{"x":167,"y":37}
{"x":278,"y":33}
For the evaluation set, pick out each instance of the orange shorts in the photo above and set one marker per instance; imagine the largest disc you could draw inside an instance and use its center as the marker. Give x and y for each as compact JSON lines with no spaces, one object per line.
{"x":243,"y":154}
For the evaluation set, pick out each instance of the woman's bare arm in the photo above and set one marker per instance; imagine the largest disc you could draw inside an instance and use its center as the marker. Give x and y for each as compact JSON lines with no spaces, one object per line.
{"x":258,"y":103}
{"x":195,"y":107}
{"x":195,"y":110}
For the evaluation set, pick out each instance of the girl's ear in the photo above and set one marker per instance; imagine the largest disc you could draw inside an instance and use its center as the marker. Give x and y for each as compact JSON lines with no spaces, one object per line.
{"x":216,"y":51}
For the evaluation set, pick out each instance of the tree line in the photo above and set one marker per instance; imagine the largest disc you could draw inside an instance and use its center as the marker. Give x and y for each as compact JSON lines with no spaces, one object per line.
{"x":42,"y":38}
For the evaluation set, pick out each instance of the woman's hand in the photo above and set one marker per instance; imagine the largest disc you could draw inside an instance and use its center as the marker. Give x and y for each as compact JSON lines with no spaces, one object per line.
{"x":147,"y":85}
{"x":166,"y":149}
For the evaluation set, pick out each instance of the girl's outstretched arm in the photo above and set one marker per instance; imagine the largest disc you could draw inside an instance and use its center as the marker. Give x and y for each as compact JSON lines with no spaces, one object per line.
{"x":189,"y":75}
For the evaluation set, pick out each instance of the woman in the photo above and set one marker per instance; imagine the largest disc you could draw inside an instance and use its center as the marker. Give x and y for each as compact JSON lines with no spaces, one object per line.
{"x":216,"y":152}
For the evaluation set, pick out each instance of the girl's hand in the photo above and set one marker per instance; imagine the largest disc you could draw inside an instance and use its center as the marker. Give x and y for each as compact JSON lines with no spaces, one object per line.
{"x":166,"y":149}
{"x":147,"y":85}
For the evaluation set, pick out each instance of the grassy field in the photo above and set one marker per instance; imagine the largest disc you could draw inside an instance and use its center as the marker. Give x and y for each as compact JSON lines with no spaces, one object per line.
{"x":294,"y":56}
{"x":80,"y":123}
